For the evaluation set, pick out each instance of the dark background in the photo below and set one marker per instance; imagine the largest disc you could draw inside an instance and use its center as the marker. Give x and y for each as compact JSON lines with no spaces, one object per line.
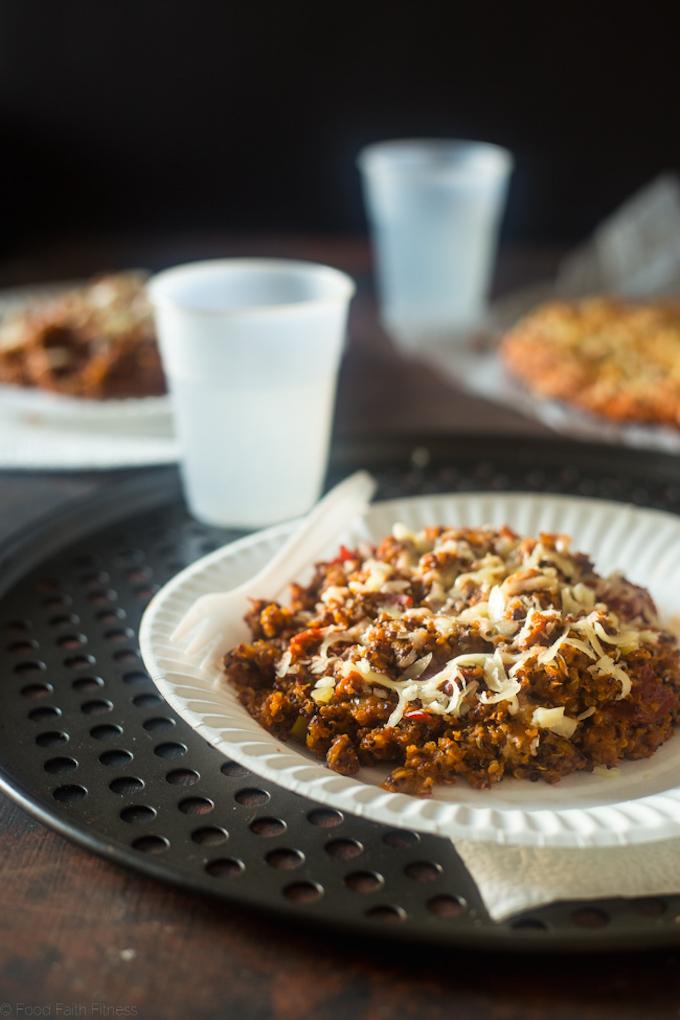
{"x":137,"y":116}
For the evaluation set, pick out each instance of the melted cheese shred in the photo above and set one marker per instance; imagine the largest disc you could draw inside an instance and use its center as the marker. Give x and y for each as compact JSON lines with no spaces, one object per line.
{"x":499,"y":591}
{"x":445,"y":692}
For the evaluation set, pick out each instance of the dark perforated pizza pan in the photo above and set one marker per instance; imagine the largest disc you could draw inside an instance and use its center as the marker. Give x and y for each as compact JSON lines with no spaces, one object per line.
{"x":89,"y":746}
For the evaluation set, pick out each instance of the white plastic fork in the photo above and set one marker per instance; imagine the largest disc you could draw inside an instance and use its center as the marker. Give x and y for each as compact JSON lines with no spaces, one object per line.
{"x":211,"y":627}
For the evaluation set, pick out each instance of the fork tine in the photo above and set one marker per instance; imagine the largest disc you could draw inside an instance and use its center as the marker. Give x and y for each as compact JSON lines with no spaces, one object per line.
{"x":200,"y":637}
{"x":212,"y":656}
{"x":185,"y":627}
{"x":205,"y":606}
{"x":191,"y":619}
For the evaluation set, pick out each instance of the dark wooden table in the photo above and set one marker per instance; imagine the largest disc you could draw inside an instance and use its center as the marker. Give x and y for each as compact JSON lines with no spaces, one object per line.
{"x":79,"y":934}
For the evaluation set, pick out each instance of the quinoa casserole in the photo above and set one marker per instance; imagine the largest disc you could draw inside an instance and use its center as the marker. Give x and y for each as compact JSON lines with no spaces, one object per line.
{"x":95,"y":341}
{"x":462,"y":652}
{"x":619,"y":359}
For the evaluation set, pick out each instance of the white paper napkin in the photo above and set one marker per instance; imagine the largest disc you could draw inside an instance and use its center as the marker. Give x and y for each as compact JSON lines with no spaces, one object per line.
{"x":512,"y":880}
{"x":50,"y":447}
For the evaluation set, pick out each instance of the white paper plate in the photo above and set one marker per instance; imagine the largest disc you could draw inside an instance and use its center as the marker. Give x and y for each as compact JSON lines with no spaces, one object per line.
{"x":640,"y":803}
{"x":35,"y":405}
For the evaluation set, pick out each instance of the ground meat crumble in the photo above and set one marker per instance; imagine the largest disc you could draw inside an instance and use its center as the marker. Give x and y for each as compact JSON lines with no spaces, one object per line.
{"x":466,"y":652}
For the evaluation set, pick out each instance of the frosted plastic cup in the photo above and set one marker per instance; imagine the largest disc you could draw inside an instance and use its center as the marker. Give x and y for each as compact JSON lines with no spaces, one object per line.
{"x":251,"y":349}
{"x":434,"y":207}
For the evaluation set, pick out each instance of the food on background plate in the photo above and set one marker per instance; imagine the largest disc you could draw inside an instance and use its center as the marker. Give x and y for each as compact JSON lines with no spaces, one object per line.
{"x":95,"y":341}
{"x":462,"y":652}
{"x":616,"y":358}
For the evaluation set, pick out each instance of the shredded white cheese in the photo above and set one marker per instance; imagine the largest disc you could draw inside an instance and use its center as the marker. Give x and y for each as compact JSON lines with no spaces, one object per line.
{"x":323,"y":690}
{"x":284,"y":664}
{"x":378,"y":573}
{"x":504,"y":688}
{"x":535,"y":618}
{"x":334,"y":593}
{"x":496,"y":603}
{"x":541,"y":554}
{"x":321,"y":660}
{"x":444,"y":625}
{"x":605,"y":666}
{"x":518,"y":585}
{"x":550,"y":653}
{"x":402,"y":533}
{"x":490,"y":569}
{"x":555,"y":720}
{"x":511,"y":615}
{"x":445,"y":692}
{"x":417,"y":668}
{"x":480,"y":611}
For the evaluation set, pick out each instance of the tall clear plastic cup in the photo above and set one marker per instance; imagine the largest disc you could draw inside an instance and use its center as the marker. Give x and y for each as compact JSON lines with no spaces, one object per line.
{"x":434,"y":207}
{"x":251,"y":349}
